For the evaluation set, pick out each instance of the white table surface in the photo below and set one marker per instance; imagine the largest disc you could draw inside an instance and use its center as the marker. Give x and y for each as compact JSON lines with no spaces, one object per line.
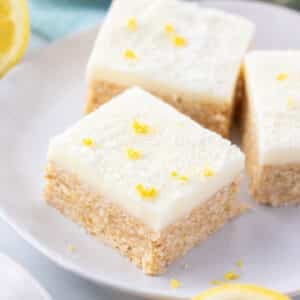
{"x":60,"y":284}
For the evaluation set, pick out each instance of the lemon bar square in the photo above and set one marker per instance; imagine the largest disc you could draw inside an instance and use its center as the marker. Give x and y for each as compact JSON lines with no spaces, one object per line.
{"x":271,"y":134}
{"x":144,"y":178}
{"x":187,"y":55}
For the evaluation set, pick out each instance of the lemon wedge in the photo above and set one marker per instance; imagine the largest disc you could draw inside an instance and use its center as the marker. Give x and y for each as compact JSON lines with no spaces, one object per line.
{"x":14,"y":32}
{"x":240,"y":292}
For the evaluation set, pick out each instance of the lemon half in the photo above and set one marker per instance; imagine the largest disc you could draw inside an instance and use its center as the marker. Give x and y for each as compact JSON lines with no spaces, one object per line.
{"x":240,"y":292}
{"x":14,"y":32}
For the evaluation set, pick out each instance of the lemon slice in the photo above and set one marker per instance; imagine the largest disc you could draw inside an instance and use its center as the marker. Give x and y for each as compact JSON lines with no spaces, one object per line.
{"x":14,"y":32}
{"x":240,"y":292}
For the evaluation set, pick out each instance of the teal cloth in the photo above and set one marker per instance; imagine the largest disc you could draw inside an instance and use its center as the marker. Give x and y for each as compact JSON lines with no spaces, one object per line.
{"x":53,"y":19}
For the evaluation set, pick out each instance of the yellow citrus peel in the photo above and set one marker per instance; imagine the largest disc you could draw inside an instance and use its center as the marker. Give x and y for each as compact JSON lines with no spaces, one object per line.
{"x":179,"y":41}
{"x":169,"y":29}
{"x":140,"y":128}
{"x":129,"y":54}
{"x":231,"y":276}
{"x":241,"y":292}
{"x":146,"y":193}
{"x":132,"y":24}
{"x":174,"y":283}
{"x":14,"y":32}
{"x":133,"y":154}
{"x":208,"y":172}
{"x":281,"y":76}
{"x":87,"y":142}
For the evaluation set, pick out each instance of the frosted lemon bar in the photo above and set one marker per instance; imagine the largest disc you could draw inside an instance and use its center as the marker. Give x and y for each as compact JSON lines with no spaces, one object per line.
{"x":272,"y":126}
{"x":144,"y":178}
{"x":187,"y":55}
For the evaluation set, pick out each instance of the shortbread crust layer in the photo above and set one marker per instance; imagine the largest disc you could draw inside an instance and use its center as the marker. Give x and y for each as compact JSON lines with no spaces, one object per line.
{"x":216,"y":116}
{"x":149,"y":250}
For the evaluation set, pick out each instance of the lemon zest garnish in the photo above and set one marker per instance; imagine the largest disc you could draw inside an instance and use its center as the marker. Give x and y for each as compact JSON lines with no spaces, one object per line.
{"x":8,"y":32}
{"x":88,"y":142}
{"x":290,"y":103}
{"x":71,"y":248}
{"x":231,"y":276}
{"x":169,"y":29}
{"x":179,"y":41}
{"x":208,"y":172}
{"x":239,"y":263}
{"x":183,"y":178}
{"x":174,"y":173}
{"x":174,"y":283}
{"x":217,"y":282}
{"x":139,"y":127}
{"x":129,"y":54}
{"x":281,"y":76}
{"x":133,"y":154}
{"x":132,"y":24}
{"x":146,"y":193}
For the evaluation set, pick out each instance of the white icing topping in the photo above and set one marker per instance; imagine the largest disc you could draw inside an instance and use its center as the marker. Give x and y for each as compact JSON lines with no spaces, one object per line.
{"x":206,"y":67}
{"x":273,"y":84}
{"x":171,"y":142}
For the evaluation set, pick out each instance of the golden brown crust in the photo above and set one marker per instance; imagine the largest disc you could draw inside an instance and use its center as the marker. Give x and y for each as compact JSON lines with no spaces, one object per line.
{"x":239,"y":99}
{"x":215,"y":116}
{"x":149,"y":250}
{"x":275,"y":185}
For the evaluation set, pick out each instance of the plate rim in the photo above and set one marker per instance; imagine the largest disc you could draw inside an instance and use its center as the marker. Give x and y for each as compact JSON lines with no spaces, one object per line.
{"x":70,"y":266}
{"x":43,"y":292}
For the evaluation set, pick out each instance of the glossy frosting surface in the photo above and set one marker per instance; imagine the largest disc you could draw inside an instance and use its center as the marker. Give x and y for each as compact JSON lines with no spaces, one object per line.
{"x":273,"y":84}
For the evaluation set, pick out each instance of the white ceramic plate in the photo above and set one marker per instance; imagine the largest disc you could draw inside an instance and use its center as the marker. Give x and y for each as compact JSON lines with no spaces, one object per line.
{"x":46,"y":93}
{"x":17,"y":283}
